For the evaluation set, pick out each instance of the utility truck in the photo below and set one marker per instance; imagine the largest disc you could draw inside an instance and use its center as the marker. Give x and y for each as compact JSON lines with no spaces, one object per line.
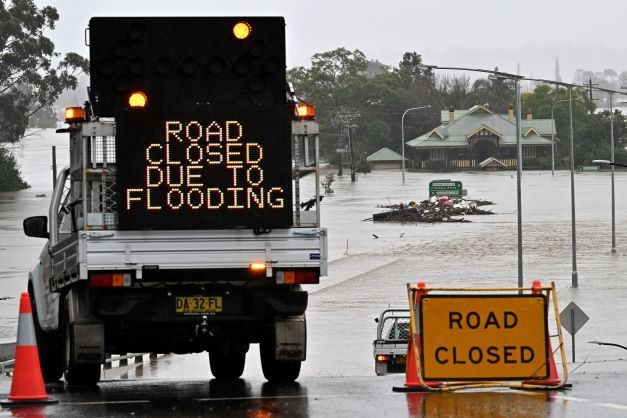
{"x":178,"y":226}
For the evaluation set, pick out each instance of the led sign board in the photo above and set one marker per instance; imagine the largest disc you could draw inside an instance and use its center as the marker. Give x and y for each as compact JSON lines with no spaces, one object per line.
{"x":220,"y":168}
{"x":186,"y":63}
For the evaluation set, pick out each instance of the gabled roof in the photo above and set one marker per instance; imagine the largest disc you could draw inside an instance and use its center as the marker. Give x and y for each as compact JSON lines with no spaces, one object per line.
{"x":531,"y":130}
{"x":492,"y":162}
{"x":480,"y":117}
{"x":479,"y":108}
{"x":440,"y":131}
{"x":385,"y":154}
{"x":481,"y":128}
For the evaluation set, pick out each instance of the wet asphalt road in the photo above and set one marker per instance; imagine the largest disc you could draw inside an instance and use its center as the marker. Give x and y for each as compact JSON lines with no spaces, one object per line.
{"x":311,"y":397}
{"x":366,"y":276}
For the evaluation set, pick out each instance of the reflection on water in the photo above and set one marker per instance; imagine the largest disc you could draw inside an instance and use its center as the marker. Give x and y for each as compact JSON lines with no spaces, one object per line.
{"x":483,"y":404}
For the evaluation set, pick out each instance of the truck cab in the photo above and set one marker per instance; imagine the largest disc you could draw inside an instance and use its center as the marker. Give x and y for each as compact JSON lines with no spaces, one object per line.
{"x":178,"y":226}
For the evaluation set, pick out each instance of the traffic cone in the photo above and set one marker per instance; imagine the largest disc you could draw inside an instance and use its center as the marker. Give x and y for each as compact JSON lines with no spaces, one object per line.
{"x":412,"y":384}
{"x":27,"y":386}
{"x":553,"y":379}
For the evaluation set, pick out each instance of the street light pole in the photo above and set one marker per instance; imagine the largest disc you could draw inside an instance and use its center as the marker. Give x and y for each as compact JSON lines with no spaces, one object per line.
{"x":575,"y":278}
{"x":516,"y":78}
{"x":612,"y":168}
{"x":403,"y":136}
{"x":518,"y":183}
{"x":553,"y":137}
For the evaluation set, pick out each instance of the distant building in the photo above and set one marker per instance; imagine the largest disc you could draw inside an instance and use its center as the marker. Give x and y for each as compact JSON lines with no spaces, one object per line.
{"x":385,"y":159}
{"x":467,"y":138}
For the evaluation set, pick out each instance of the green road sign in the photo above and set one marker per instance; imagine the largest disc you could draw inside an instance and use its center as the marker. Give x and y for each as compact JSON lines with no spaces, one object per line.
{"x":588,"y":168}
{"x":447,"y":187}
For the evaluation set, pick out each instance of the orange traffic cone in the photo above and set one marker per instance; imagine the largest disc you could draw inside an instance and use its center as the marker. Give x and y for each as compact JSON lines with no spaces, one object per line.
{"x":27,"y":386}
{"x":553,"y":378}
{"x":412,"y":384}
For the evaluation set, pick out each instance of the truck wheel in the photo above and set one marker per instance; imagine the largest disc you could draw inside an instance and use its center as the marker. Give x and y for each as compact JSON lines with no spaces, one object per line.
{"x":277,"y":371}
{"x":77,"y":374}
{"x":49,"y":348}
{"x":226,"y":367}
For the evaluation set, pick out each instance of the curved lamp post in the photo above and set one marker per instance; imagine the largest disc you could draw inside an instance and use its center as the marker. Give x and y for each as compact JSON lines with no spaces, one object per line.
{"x":403,"y":135}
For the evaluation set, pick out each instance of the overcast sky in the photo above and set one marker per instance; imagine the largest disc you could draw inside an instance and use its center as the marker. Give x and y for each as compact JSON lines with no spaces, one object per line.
{"x":476,"y":33}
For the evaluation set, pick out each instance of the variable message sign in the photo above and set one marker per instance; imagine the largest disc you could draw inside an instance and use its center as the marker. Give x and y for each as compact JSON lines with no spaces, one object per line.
{"x":486,"y":337}
{"x":186,"y":63}
{"x":219,"y":168}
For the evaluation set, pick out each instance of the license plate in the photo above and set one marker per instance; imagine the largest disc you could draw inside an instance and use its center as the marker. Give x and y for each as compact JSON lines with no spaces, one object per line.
{"x":198,"y":304}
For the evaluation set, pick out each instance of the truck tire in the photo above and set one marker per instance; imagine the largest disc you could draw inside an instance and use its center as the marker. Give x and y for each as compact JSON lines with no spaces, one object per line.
{"x":277,"y":371}
{"x":77,"y":374}
{"x":49,"y":348}
{"x":226,"y":367}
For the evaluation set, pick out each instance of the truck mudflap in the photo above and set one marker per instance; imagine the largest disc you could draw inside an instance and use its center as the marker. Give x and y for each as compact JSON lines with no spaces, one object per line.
{"x":223,"y":304}
{"x":291,"y":338}
{"x":89,"y":347}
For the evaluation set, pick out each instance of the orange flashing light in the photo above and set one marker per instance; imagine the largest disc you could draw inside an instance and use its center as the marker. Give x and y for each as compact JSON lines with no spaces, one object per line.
{"x":304,"y":111}
{"x":382,"y":357}
{"x":257,"y":266}
{"x":137,"y":99}
{"x":242,"y":30}
{"x":74,"y":114}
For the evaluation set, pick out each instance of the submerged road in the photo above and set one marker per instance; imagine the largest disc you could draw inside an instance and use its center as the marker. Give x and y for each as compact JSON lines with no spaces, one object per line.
{"x":368,"y":275}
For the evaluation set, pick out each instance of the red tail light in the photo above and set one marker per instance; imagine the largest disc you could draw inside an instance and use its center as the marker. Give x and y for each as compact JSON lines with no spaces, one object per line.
{"x":382,"y":357}
{"x":110,"y":279}
{"x":297,"y":277}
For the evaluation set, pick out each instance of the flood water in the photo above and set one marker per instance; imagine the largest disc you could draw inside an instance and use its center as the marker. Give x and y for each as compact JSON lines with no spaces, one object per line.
{"x":367,"y":274}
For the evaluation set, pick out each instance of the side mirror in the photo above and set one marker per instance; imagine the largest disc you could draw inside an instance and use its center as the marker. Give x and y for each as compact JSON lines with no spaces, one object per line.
{"x":36,"y":226}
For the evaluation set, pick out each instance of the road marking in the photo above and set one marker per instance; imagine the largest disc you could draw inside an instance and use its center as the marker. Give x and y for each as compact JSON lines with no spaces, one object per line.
{"x":613,"y":405}
{"x":570,"y":398}
{"x":107,"y":402}
{"x":243,"y":398}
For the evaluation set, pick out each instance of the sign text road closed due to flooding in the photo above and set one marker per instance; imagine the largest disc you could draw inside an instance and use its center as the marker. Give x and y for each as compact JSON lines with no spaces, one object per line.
{"x":485,"y":337}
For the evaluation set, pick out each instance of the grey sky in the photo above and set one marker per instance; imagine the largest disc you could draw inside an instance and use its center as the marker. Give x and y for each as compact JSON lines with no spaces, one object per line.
{"x":481,"y":33}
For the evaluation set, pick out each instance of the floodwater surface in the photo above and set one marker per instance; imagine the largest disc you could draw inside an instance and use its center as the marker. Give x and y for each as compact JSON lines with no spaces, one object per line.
{"x":368,"y":274}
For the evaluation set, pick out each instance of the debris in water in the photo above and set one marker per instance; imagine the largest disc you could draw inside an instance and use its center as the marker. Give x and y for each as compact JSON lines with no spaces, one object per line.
{"x":436,"y":209}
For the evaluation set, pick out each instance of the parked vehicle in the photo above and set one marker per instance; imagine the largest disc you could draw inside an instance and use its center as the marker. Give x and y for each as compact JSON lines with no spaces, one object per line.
{"x":390,"y":347}
{"x":177,"y":226}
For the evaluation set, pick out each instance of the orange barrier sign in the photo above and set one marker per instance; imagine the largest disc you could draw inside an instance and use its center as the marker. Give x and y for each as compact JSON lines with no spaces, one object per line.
{"x":484,"y":337}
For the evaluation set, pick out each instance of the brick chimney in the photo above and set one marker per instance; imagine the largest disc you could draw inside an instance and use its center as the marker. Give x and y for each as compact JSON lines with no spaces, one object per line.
{"x":451,"y":114}
{"x":510,"y":113}
{"x":529,"y":114}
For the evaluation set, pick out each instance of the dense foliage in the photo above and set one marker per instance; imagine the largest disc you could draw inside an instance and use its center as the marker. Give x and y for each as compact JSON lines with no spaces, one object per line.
{"x":9,"y":174}
{"x":32,"y":74}
{"x":342,"y":81}
{"x":591,"y":129}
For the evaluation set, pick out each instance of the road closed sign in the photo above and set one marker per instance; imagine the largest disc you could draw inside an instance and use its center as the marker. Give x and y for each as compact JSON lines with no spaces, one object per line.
{"x":484,"y":337}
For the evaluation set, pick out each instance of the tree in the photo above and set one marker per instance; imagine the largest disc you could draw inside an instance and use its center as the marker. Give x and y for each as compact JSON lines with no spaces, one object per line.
{"x":43,"y":118}
{"x":29,"y":77}
{"x":591,"y":131}
{"x":32,"y":74}
{"x":9,"y":173}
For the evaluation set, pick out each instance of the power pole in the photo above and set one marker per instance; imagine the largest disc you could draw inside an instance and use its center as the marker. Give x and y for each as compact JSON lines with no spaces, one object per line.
{"x":351,"y":137}
{"x":590,"y":85}
{"x":343,"y":119}
{"x":339,"y":154}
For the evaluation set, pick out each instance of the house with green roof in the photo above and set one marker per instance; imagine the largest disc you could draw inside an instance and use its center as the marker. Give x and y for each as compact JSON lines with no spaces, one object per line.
{"x":385,"y":159}
{"x":467,"y":138}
